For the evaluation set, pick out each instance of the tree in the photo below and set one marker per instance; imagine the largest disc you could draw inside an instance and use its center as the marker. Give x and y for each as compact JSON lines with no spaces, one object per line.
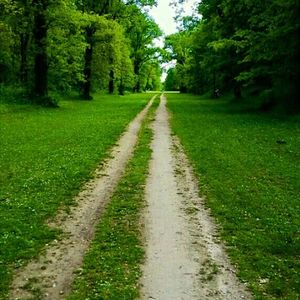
{"x":238,"y":46}
{"x":114,"y":9}
{"x":179,"y":44}
{"x":150,"y":76}
{"x":40,"y":29}
{"x":170,"y":82}
{"x":60,"y":45}
{"x":66,"y":46}
{"x":9,"y":12}
{"x":141,"y":31}
{"x":112,"y":66}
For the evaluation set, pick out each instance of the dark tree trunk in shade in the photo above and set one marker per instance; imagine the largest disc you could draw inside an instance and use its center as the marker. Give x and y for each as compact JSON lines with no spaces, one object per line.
{"x":86,"y":88}
{"x":237,"y":90}
{"x":136,"y":69}
{"x":214,"y":84}
{"x":121,"y":88}
{"x":111,"y":84}
{"x":24,"y":41}
{"x":137,"y":87}
{"x":40,"y":60}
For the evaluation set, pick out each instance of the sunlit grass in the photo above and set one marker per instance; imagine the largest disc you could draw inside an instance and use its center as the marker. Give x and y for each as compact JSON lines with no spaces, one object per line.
{"x":112,"y":266}
{"x":45,"y":156}
{"x":248,"y":166}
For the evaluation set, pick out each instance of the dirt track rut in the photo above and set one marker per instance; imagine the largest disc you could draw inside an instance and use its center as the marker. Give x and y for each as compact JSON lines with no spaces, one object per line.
{"x":52,"y":274}
{"x":184,"y":259}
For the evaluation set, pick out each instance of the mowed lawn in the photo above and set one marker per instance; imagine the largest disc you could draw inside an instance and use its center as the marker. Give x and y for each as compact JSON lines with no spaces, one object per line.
{"x":45,"y":156}
{"x":248,"y":166}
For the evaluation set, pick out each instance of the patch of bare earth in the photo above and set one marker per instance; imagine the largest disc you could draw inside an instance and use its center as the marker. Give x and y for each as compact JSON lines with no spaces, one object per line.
{"x":51,"y":275}
{"x":184,"y":258}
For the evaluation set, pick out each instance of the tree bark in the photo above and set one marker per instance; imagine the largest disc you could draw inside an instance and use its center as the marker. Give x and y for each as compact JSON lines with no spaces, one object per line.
{"x":137,"y":86}
{"x":111,"y":84}
{"x":24,"y":41}
{"x":121,"y":87}
{"x":237,"y":90}
{"x":41,"y":59}
{"x":87,"y":72}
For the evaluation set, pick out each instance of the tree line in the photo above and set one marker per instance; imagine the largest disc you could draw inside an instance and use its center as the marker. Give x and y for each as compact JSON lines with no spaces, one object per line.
{"x":62,"y":45}
{"x":245,"y":46}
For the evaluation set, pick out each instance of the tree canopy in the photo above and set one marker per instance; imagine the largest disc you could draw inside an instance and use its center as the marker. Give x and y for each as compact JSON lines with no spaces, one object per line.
{"x":249,"y":47}
{"x":245,"y":46}
{"x":56,"y":45}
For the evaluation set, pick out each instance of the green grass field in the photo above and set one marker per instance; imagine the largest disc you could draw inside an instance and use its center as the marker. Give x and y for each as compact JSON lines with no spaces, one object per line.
{"x":45,"y":156}
{"x":112,"y":266}
{"x":249,"y":171}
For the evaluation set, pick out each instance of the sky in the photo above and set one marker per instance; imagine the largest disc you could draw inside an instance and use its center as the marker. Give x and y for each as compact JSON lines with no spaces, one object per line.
{"x":163,"y":14}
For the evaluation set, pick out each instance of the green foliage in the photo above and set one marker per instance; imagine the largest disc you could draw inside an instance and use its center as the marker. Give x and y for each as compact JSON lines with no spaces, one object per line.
{"x":150,"y":76}
{"x":179,"y":45}
{"x":46,"y":155}
{"x":248,"y":45}
{"x":248,"y":169}
{"x":44,"y":45}
{"x":7,"y":40}
{"x":141,"y":31}
{"x":112,"y":53}
{"x":66,"y":46}
{"x":170,"y":82}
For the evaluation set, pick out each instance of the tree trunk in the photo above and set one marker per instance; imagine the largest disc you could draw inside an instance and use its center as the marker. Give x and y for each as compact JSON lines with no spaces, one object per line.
{"x":24,"y":41}
{"x":87,"y":72}
{"x":214,"y":85}
{"x":40,"y":60}
{"x":121,"y":87}
{"x":136,"y":69}
{"x":137,"y":87}
{"x":111,"y":84}
{"x":237,"y":90}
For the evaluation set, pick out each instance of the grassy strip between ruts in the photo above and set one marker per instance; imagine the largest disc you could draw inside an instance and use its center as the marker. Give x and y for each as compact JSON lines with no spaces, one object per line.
{"x":248,"y":168}
{"x":111,"y":268}
{"x":45,"y":156}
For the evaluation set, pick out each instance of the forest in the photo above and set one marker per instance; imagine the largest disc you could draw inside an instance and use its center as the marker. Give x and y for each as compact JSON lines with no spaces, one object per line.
{"x":58,"y":46}
{"x":250,"y":48}
{"x":246,"y":47}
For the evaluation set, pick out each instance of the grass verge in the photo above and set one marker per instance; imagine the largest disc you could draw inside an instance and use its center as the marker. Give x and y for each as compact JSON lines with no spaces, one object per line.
{"x":46,"y":154}
{"x":248,"y":168}
{"x":111,"y":268}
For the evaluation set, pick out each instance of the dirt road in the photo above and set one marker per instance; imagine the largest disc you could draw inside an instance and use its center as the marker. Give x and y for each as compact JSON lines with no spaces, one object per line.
{"x":51,"y":275}
{"x":184,"y":258}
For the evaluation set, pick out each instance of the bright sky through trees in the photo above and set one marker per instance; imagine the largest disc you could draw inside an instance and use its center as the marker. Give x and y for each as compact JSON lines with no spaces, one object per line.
{"x":164,"y":14}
